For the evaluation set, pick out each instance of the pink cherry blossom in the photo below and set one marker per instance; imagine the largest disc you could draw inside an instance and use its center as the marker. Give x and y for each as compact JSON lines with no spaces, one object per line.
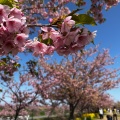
{"x":16,"y":13}
{"x":4,"y":11}
{"x":57,"y":40}
{"x":20,"y":39}
{"x":69,"y":38}
{"x":48,"y":32}
{"x":13,"y":31}
{"x":13,"y":24}
{"x":50,"y":50}
{"x":39,"y":48}
{"x":8,"y":46}
{"x":63,"y":51}
{"x":75,"y":47}
{"x":67,"y":24}
{"x":84,"y":38}
{"x":50,"y":20}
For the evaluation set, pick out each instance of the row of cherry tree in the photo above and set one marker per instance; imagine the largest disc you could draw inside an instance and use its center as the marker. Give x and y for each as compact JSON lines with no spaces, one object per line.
{"x":76,"y":79}
{"x":79,"y":81}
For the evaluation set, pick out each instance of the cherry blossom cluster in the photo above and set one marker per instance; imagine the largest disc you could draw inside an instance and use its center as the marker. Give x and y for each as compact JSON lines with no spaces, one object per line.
{"x":57,"y":8}
{"x":64,"y":36}
{"x":110,"y":3}
{"x":7,"y":64}
{"x":44,"y":9}
{"x":13,"y":31}
{"x":97,"y":6}
{"x":67,"y":39}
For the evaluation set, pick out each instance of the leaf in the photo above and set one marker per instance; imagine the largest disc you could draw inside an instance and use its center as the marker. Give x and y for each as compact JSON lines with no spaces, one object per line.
{"x":83,"y":19}
{"x":2,"y":63}
{"x":7,"y":2}
{"x":17,"y":65}
{"x":3,"y":1}
{"x":47,"y":41}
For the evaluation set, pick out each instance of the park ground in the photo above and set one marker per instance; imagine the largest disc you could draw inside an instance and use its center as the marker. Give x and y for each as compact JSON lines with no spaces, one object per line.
{"x":105,"y":118}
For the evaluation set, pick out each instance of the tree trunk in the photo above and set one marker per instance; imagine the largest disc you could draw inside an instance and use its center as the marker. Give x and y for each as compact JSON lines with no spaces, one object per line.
{"x":71,"y":116}
{"x":16,"y":114}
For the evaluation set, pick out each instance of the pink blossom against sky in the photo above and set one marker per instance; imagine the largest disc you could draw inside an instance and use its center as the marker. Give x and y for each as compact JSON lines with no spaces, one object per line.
{"x":108,"y":36}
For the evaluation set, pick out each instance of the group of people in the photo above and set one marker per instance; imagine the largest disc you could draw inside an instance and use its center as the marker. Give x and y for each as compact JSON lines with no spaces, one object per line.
{"x":111,"y":114}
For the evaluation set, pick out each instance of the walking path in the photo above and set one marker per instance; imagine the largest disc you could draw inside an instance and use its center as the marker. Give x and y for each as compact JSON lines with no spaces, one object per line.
{"x":105,"y":118}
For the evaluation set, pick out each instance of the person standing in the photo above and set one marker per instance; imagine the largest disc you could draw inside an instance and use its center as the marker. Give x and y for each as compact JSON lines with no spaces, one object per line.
{"x":114,"y":113}
{"x":109,"y":114}
{"x":101,"y":113}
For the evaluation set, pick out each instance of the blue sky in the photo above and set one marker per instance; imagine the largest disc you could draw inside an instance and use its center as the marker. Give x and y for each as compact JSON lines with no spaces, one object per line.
{"x":108,"y":36}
